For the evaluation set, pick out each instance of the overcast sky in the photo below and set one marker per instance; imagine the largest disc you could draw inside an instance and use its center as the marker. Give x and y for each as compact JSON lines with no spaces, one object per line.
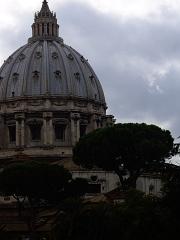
{"x":133,"y":45}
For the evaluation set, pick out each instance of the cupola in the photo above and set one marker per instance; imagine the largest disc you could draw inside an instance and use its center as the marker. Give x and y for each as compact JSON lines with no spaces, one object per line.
{"x":45,"y":23}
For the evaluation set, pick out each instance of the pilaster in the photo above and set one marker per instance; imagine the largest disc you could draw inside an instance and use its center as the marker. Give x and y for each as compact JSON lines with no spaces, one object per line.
{"x":75,"y":128}
{"x":20,"y":129}
{"x":47,"y":128}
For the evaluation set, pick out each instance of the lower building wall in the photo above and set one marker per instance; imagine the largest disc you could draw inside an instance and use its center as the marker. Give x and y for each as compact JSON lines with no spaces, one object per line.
{"x":107,"y":180}
{"x":150,"y":185}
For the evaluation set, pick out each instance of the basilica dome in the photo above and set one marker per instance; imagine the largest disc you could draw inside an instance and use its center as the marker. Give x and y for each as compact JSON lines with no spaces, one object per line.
{"x":46,"y":66}
{"x":49,"y":95}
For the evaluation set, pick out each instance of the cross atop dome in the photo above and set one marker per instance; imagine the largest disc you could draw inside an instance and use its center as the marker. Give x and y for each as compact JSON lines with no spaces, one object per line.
{"x":45,"y":24}
{"x":45,"y":7}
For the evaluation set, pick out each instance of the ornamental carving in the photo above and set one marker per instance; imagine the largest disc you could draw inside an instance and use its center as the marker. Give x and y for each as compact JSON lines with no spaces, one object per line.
{"x":95,"y":107}
{"x":35,"y":103}
{"x":84,"y":122}
{"x":70,"y":56}
{"x":54,"y":55}
{"x":35,"y":75}
{"x":22,"y":57}
{"x":13,"y":105}
{"x":9,"y":60}
{"x":77,"y":75}
{"x":80,"y":104}
{"x":60,"y":103}
{"x":57,"y":74}
{"x":15,"y":77}
{"x":75,"y":116}
{"x":82,"y":59}
{"x":38,"y":55}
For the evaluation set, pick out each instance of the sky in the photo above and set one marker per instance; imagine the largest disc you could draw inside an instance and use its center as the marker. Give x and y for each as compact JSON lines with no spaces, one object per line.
{"x":133,"y":46}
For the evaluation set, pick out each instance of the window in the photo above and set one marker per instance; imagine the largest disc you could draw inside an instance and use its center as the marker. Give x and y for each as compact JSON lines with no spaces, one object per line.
{"x":43,"y":28}
{"x":12,"y":134}
{"x":60,"y":132}
{"x":35,"y":74}
{"x":15,"y":77}
{"x":35,"y":132}
{"x":92,"y":80}
{"x":57,"y":74}
{"x":54,"y":55}
{"x":48,"y":27}
{"x":77,"y":75}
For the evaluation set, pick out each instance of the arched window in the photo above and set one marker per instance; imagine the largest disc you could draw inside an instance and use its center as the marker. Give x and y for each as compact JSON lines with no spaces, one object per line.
{"x":59,"y":130}
{"x":12,"y":133}
{"x":35,"y":131}
{"x":53,"y":29}
{"x":48,"y":28}
{"x":43,"y":29}
{"x":38,"y":29}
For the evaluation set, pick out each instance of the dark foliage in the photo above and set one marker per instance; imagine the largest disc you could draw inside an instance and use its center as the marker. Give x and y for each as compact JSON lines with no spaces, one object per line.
{"x":171,"y":188}
{"x":139,"y":218}
{"x":124,"y":147}
{"x":34,"y":181}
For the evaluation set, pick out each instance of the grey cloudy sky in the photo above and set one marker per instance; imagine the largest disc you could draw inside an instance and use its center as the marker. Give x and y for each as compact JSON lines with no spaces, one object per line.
{"x":133,"y":45}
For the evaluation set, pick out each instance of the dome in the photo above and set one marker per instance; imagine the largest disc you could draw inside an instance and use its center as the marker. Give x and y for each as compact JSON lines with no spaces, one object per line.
{"x":49,"y":68}
{"x":49,"y":96}
{"x":46,"y":66}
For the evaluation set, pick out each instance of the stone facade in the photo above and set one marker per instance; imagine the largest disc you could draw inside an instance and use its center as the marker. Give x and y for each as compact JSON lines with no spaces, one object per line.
{"x":47,"y":126}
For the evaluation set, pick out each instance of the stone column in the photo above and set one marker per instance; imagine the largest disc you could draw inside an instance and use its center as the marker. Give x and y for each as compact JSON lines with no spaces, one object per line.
{"x":50,"y":131}
{"x":94,"y":122}
{"x":78,"y":130}
{"x":45,"y":29}
{"x":36,"y":30}
{"x":44,"y":131}
{"x":50,"y":29}
{"x":75,"y":127}
{"x":40,"y":29}
{"x":17,"y":133}
{"x":48,"y":128}
{"x":72,"y":132}
{"x":20,"y":131}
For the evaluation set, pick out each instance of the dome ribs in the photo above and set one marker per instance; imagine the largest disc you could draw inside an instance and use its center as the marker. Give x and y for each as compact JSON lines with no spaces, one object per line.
{"x":82,"y":86}
{"x":45,"y":69}
{"x":67,"y":77}
{"x":49,"y":68}
{"x":27,"y":83}
{"x":9,"y":84}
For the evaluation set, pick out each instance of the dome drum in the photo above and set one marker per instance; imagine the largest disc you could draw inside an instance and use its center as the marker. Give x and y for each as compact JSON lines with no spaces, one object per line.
{"x":46,"y":130}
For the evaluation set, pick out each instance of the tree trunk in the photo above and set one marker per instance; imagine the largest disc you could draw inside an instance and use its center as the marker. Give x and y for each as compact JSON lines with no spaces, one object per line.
{"x":133,"y":179}
{"x":118,"y":172}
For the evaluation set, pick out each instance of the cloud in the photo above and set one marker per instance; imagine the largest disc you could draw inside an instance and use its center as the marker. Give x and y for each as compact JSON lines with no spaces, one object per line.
{"x":137,"y":61}
{"x":136,"y":58}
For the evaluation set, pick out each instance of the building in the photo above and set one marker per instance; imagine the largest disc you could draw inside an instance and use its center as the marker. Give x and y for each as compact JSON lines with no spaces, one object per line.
{"x":49,"y":97}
